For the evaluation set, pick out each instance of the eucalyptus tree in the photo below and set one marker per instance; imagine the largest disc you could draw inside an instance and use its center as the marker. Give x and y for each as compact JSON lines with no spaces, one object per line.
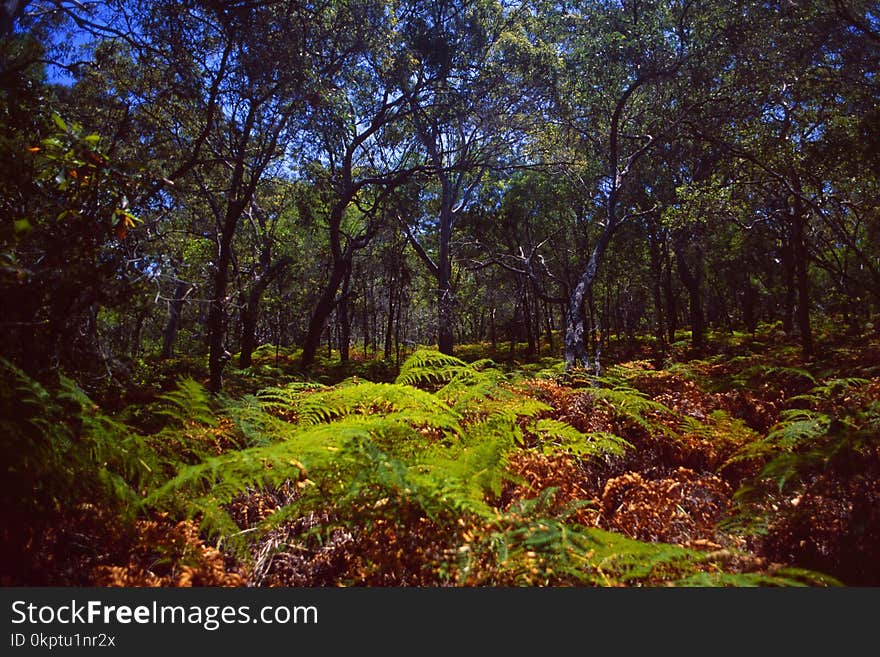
{"x":619,"y":63}
{"x":270,"y":220}
{"x":246,"y":77}
{"x":794,"y":78}
{"x":467,"y":115}
{"x":366,"y":155}
{"x":269,"y":74}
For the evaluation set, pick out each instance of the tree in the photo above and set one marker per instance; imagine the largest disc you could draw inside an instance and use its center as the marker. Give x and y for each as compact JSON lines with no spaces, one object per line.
{"x":464,"y":115}
{"x":367,"y":155}
{"x":619,"y":61}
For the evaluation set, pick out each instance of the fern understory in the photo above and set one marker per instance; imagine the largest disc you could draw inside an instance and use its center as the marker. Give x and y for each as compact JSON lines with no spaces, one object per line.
{"x":703,"y":473}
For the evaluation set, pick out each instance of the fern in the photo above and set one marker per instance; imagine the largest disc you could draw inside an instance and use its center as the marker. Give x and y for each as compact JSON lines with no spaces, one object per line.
{"x":796,"y":428}
{"x":631,"y":404}
{"x":189,"y":403}
{"x":802,"y":443}
{"x":531,"y":546}
{"x":830,"y":389}
{"x":256,"y":426}
{"x":366,"y":398}
{"x":793,"y":577}
{"x":555,"y":435}
{"x":430,"y":368}
{"x":774,"y":373}
{"x":351,"y":446}
{"x":61,"y":450}
{"x":720,"y":429}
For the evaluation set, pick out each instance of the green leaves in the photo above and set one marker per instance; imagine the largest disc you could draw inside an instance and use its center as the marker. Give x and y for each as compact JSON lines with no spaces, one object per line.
{"x":62,"y":451}
{"x":59,"y":122}
{"x":555,"y":436}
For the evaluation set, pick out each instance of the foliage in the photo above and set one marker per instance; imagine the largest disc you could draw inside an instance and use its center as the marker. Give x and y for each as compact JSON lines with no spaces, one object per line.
{"x":803,"y":444}
{"x":629,"y":403}
{"x":62,"y":451}
{"x":362,"y":444}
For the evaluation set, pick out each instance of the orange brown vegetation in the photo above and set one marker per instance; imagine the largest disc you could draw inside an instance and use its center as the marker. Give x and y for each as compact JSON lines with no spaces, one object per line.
{"x":169,"y":554}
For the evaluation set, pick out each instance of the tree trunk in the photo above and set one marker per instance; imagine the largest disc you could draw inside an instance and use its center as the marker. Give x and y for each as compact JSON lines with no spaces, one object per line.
{"x":216,"y":324}
{"x":548,"y":324}
{"x":748,"y":306}
{"x":445,"y":298}
{"x":669,"y":295}
{"x":174,"y":310}
{"x":365,"y":322}
{"x":493,"y":332}
{"x":323,"y":310}
{"x":657,"y":288}
{"x":527,"y":319}
{"x":389,"y":327}
{"x":692,"y":280}
{"x":344,"y":319}
{"x":250,"y":313}
{"x":575,"y":345}
{"x":800,"y":256}
{"x":789,"y":278}
{"x":138,"y":333}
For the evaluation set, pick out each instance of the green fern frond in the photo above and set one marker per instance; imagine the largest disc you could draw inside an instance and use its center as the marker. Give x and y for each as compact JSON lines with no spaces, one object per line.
{"x":796,"y":429}
{"x":773,"y":373}
{"x":798,"y":426}
{"x":366,"y":398}
{"x":189,"y":403}
{"x":62,"y":450}
{"x":633,"y":405}
{"x":256,"y":426}
{"x":720,"y":428}
{"x":429,"y":368}
{"x":283,"y":397}
{"x":830,"y":389}
{"x":535,"y":548}
{"x":833,"y":387}
{"x":787,"y":577}
{"x":556,"y":436}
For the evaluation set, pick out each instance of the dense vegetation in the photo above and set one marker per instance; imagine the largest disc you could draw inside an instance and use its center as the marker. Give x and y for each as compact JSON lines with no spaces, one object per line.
{"x":468,"y":292}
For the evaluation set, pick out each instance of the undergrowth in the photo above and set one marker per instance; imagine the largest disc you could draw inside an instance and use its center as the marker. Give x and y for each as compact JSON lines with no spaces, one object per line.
{"x":309,"y":481}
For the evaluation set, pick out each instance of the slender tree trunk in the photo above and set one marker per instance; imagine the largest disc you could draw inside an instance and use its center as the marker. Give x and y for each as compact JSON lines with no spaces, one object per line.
{"x":174,"y":310}
{"x":137,"y":338}
{"x":344,"y":319}
{"x":249,"y":316}
{"x":597,"y":335}
{"x":548,"y":324}
{"x":574,"y":349}
{"x":323,"y":311}
{"x":748,"y":305}
{"x":278,"y":335}
{"x":575,"y":345}
{"x":389,"y":327}
{"x":250,"y":313}
{"x":789,"y":279}
{"x":398,"y":323}
{"x":800,"y":256}
{"x":669,"y":295}
{"x":692,"y":280}
{"x":445,"y":297}
{"x":657,"y":288}
{"x":527,"y":319}
{"x":493,"y":332}
{"x":365,"y":322}
{"x":216,"y":324}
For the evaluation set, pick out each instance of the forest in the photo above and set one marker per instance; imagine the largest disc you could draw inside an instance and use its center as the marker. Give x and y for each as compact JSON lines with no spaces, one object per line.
{"x":462,"y":293}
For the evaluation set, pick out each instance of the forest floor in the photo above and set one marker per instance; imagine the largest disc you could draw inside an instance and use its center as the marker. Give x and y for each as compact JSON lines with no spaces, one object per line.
{"x":746,"y":466}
